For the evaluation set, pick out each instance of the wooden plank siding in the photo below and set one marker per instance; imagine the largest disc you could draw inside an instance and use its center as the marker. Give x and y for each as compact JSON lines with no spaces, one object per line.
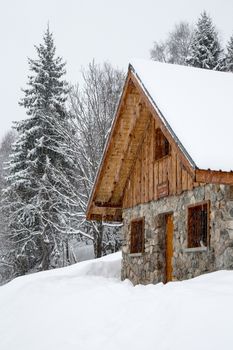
{"x":149,"y":179}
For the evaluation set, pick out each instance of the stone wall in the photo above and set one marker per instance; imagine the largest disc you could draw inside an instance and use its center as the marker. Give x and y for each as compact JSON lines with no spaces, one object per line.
{"x":149,"y":267}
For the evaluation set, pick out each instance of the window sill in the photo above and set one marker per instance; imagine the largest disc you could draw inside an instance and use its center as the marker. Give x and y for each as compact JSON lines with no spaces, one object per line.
{"x":135,"y":254}
{"x":194,"y":250}
{"x":162,"y":158}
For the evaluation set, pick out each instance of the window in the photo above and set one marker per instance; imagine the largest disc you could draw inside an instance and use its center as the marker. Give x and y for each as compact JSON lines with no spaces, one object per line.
{"x":162,"y":147}
{"x":198,"y":225}
{"x":137,"y":236}
{"x":230,"y":193}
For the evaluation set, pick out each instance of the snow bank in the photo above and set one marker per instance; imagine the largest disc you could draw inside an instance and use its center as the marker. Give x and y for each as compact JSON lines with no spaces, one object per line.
{"x":86,"y":307}
{"x":198,"y":106}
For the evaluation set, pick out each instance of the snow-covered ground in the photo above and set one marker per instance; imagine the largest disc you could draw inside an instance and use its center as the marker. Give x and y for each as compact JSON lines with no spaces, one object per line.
{"x":86,"y":306}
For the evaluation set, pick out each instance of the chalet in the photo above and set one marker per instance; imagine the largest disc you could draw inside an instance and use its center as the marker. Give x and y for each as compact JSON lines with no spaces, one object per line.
{"x":166,"y":172}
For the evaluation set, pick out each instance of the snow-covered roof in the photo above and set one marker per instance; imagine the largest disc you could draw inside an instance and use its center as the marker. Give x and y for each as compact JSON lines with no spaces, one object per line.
{"x":198,"y":106}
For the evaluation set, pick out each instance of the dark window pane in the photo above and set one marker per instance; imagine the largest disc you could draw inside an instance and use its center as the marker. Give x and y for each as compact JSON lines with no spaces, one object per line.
{"x":162,"y":147}
{"x":198,"y":226}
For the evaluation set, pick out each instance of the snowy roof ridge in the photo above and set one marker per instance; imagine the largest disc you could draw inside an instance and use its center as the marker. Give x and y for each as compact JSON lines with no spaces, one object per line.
{"x":196,"y":105}
{"x":166,"y":123}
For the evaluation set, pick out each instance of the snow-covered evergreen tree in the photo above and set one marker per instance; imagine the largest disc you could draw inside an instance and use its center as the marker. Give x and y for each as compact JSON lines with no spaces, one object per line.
{"x":6,"y":269}
{"x":46,"y":89}
{"x":205,"y":46}
{"x":40,"y":199}
{"x":228,"y":59}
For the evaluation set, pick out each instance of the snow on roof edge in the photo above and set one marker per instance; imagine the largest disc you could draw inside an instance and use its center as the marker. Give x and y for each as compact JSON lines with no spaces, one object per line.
{"x":169,"y":128}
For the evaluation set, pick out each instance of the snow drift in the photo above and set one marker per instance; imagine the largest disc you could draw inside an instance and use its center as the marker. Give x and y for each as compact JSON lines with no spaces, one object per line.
{"x":86,"y":307}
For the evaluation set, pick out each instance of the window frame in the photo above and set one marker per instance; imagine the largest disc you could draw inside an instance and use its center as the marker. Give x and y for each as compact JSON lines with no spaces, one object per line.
{"x":190,"y":207}
{"x":135,"y":221}
{"x":156,"y":158}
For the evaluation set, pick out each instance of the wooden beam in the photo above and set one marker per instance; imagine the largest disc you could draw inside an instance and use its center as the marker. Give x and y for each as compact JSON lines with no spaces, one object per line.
{"x":101,"y":213}
{"x":108,"y":205}
{"x":109,"y":218}
{"x":215,"y":177}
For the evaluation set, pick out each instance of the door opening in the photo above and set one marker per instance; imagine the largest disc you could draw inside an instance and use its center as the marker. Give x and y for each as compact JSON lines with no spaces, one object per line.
{"x":169,"y":248}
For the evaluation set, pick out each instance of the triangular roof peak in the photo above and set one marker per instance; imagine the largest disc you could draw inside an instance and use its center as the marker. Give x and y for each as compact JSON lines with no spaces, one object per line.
{"x":194,"y":109}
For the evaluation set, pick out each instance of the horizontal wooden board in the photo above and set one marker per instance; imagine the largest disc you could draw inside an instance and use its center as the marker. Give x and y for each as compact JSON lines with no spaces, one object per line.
{"x":211,"y":176}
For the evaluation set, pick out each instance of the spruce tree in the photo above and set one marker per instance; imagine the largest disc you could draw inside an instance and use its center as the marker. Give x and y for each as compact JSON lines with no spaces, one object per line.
{"x":39,"y":200}
{"x":228,"y":59}
{"x":205,"y":47}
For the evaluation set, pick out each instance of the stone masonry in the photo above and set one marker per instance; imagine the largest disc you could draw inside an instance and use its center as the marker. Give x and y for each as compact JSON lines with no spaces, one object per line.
{"x":149,"y":267}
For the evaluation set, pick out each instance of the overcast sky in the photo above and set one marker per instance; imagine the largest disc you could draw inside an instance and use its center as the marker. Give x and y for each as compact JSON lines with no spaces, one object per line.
{"x":112,"y":30}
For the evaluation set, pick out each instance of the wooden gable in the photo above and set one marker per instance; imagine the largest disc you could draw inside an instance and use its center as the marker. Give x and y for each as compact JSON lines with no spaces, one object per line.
{"x":131,"y":172}
{"x":152,"y":178}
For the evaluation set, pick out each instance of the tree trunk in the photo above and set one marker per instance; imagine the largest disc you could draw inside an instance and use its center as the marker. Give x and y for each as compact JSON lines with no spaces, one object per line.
{"x":45,"y":257}
{"x":98,"y":242}
{"x":45,"y":254}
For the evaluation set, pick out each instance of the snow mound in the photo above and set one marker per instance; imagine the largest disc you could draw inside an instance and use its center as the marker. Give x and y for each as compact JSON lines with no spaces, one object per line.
{"x":108,"y":267}
{"x":86,"y":307}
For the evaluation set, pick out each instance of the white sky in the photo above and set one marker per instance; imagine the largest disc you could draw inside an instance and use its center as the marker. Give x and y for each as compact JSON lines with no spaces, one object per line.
{"x":112,"y":30}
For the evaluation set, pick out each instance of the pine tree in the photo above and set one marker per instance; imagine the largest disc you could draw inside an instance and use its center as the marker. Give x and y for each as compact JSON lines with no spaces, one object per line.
{"x":205,"y":46}
{"x":46,"y":91}
{"x":40,"y":198}
{"x":228,"y":59}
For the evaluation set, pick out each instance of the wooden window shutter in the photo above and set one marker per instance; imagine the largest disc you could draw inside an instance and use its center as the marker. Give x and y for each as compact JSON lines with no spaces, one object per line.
{"x":137,"y":236}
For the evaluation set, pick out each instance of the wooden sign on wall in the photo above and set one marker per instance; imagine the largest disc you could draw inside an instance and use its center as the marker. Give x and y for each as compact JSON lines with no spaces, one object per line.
{"x":163,"y":189}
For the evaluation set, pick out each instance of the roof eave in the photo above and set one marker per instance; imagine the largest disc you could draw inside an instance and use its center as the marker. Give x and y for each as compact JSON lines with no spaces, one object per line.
{"x":106,"y":148}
